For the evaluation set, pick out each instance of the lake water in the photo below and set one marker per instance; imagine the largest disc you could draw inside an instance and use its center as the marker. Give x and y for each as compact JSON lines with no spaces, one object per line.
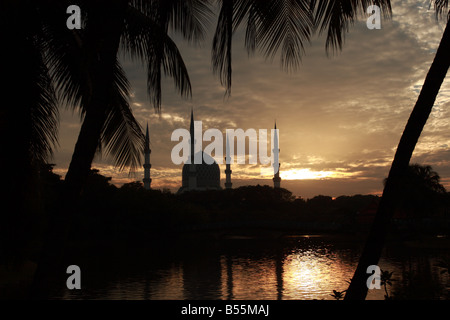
{"x":300,"y":268}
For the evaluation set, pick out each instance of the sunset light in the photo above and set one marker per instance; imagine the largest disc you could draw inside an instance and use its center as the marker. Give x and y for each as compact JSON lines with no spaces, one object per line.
{"x":304,"y":174}
{"x":308,"y":174}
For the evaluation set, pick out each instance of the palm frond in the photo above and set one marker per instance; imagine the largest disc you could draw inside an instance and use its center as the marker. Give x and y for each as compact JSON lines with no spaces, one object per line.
{"x":335,"y":17}
{"x":191,"y":18}
{"x":44,"y":113}
{"x":65,"y":54}
{"x":122,"y":135}
{"x":273,"y":26}
{"x":222,"y":44}
{"x":441,"y":8}
{"x":145,"y":40}
{"x":284,"y":26}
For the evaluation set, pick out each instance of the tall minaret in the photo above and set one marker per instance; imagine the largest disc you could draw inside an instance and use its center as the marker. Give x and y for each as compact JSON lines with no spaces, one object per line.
{"x":228,"y":171}
{"x":147,"y":180}
{"x":192,"y":170}
{"x":276,"y":151}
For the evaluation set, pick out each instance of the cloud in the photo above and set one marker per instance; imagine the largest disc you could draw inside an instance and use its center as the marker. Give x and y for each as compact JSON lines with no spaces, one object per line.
{"x":342,"y":114}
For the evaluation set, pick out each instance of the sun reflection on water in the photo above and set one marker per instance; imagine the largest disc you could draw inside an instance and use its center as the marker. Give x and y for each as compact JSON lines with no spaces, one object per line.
{"x":304,"y":273}
{"x":313,"y":274}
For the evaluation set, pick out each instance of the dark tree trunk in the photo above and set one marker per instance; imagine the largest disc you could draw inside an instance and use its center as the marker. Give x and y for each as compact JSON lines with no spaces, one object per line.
{"x":417,"y":120}
{"x":106,"y":25}
{"x":103,"y":31}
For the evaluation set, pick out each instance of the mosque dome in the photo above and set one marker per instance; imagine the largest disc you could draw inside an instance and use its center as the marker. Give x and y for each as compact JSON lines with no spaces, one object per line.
{"x":207,"y":176}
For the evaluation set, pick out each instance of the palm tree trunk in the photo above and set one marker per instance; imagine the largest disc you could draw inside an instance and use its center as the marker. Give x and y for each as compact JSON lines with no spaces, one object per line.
{"x":85,"y":148}
{"x":417,"y":120}
{"x":105,"y":31}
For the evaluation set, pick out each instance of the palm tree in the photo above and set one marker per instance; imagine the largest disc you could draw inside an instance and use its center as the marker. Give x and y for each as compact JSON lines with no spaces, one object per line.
{"x":419,"y":192}
{"x":416,"y":122}
{"x":426,"y":178}
{"x":88,"y":75}
{"x":86,"y":67}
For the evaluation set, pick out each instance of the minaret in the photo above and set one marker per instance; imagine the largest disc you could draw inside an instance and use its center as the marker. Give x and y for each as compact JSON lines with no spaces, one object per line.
{"x":147,"y":180}
{"x":192,"y":170}
{"x":276,"y":151}
{"x":228,"y":171}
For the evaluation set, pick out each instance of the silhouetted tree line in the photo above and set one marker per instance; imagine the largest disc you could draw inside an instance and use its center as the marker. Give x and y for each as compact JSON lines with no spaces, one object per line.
{"x":107,"y":212}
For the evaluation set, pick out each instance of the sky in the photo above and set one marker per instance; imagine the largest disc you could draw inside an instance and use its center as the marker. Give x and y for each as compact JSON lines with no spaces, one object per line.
{"x":340,"y":117}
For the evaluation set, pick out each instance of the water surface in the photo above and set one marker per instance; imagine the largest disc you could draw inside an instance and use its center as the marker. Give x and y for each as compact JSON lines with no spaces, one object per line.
{"x":300,"y":268}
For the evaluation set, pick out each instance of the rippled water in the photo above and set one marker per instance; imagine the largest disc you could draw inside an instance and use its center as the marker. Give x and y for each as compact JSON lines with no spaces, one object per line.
{"x":300,"y":268}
